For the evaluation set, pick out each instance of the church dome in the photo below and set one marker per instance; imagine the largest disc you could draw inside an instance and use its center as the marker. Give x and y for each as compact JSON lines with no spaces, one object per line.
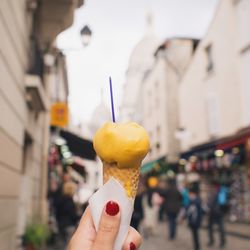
{"x":140,"y":62}
{"x":142,"y":56}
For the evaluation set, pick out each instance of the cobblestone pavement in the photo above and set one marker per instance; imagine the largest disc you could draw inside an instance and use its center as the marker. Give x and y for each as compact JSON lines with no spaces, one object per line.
{"x":184,"y":241}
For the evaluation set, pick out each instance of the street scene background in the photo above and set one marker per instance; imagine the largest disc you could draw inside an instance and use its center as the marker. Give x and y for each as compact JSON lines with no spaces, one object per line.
{"x":179,"y":68}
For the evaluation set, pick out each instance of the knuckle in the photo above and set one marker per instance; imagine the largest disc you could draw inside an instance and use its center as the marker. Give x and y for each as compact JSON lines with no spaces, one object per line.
{"x":107,"y":227}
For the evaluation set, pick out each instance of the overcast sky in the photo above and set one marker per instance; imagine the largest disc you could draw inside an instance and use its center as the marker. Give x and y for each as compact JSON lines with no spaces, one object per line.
{"x":117,"y":26}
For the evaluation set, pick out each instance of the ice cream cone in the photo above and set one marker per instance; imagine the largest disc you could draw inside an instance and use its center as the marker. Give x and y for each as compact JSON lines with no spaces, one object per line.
{"x":122,"y":147}
{"x":128,"y":177}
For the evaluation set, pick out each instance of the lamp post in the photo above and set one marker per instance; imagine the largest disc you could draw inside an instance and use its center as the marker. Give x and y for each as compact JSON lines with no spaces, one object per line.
{"x":86,"y":34}
{"x":50,"y":57}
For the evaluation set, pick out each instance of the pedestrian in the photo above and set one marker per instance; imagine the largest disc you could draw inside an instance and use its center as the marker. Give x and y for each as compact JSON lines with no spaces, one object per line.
{"x":194,"y":214}
{"x":172,"y":205}
{"x":67,"y":217}
{"x":150,"y":207}
{"x":54,"y":196}
{"x":215,"y":215}
{"x":138,"y":213}
{"x":161,"y":187}
{"x":185,"y":201}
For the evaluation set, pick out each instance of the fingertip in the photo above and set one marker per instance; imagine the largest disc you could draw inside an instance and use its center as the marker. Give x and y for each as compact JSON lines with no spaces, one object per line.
{"x":112,"y":208}
{"x":133,"y":240}
{"x":132,"y":246}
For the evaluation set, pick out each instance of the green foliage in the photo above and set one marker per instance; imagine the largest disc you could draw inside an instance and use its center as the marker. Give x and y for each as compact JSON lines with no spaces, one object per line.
{"x":35,"y":234}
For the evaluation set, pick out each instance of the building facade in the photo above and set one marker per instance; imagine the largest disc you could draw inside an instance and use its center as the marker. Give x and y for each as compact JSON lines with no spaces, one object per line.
{"x":27,"y":30}
{"x":158,"y":97}
{"x":214,"y":107}
{"x":242,"y":19}
{"x":210,"y":89}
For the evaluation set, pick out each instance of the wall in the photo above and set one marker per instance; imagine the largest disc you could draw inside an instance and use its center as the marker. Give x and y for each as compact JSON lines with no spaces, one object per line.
{"x":159,"y":98}
{"x":13,"y":113}
{"x":209,"y":99}
{"x":153,"y":115}
{"x":23,"y":132}
{"x":14,"y":33}
{"x":243,"y":19}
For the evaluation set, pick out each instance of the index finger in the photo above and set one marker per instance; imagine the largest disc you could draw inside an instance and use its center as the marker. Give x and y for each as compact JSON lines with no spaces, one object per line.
{"x":108,"y":227}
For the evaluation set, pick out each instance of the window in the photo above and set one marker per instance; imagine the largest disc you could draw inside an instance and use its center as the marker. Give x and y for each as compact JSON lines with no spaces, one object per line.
{"x":213,"y":114}
{"x":209,"y":54}
{"x":158,"y":133}
{"x":158,"y":146}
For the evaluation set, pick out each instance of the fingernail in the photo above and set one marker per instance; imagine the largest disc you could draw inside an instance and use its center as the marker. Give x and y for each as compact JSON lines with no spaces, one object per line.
{"x":112,"y":208}
{"x":132,"y":246}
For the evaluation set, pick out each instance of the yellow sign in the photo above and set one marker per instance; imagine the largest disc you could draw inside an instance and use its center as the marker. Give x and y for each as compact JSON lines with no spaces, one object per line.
{"x":59,"y":114}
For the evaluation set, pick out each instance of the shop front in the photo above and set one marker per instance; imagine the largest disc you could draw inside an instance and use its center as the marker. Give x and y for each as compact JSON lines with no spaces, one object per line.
{"x":225,"y":162}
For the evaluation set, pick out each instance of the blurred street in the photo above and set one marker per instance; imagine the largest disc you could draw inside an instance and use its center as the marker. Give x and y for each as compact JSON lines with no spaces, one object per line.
{"x":183,"y":241}
{"x":147,"y":102}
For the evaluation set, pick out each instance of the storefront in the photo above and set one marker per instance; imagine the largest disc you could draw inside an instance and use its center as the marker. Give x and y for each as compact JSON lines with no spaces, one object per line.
{"x":225,"y":161}
{"x":65,"y":149}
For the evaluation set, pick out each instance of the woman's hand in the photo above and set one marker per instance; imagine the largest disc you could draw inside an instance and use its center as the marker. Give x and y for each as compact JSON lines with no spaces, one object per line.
{"x":86,"y":238}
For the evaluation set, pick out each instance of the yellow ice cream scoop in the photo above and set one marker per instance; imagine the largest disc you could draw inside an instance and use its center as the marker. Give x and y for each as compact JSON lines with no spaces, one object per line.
{"x":125,"y":144}
{"x":122,"y":148}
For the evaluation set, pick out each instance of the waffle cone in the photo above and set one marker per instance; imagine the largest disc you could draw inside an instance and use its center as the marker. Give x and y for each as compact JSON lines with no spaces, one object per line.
{"x":128,"y":177}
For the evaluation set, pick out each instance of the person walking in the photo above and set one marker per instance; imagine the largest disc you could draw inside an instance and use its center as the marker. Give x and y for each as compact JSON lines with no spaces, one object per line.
{"x":172,"y":205}
{"x":150,"y":205}
{"x":138,"y":213}
{"x":194,"y":214}
{"x":67,"y":217}
{"x":215,"y":215}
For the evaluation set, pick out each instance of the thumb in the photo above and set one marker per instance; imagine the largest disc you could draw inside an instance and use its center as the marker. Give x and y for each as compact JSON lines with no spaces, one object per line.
{"x":108,"y":227}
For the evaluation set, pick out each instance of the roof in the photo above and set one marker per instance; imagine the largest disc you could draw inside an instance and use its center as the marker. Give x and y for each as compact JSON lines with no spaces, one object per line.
{"x":165,"y":44}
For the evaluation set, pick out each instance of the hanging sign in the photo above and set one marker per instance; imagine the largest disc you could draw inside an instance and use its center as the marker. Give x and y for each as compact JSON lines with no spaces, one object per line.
{"x":59,"y":114}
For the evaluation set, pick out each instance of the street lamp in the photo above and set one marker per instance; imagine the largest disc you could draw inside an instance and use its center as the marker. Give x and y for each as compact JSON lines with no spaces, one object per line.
{"x":86,"y":35}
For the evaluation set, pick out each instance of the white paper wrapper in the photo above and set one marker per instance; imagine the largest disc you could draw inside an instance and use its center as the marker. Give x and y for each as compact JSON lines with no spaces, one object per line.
{"x":112,"y":190}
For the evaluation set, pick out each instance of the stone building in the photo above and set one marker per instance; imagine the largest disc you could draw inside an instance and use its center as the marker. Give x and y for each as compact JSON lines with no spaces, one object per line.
{"x":27,"y":30}
{"x":158,"y":97}
{"x":242,"y":8}
{"x":211,"y":89}
{"x":214,"y":107}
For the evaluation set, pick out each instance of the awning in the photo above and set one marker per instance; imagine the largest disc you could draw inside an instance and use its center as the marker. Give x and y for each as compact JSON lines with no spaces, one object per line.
{"x":79,"y":146}
{"x":235,"y":140}
{"x":226,"y":143}
{"x":147,"y":167}
{"x":79,"y":169}
{"x":203,"y":150}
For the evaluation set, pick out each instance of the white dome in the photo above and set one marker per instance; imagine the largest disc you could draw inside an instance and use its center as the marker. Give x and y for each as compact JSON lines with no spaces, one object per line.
{"x":142,"y":57}
{"x":141,"y":60}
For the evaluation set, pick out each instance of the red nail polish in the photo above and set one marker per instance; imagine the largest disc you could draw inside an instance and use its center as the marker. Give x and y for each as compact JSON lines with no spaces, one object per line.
{"x":112,"y":208}
{"x":132,"y":246}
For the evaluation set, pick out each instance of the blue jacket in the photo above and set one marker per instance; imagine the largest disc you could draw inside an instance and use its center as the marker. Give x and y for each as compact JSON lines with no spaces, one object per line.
{"x":194,"y":212}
